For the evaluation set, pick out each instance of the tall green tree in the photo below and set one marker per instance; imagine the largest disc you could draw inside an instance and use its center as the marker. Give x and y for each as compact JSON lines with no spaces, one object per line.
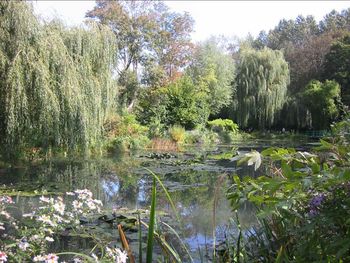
{"x":262,"y":80}
{"x":335,"y":21}
{"x":337,"y":66}
{"x":151,"y":39}
{"x":322,"y":99}
{"x":56,"y":85}
{"x":213,"y":70}
{"x":180,"y":102}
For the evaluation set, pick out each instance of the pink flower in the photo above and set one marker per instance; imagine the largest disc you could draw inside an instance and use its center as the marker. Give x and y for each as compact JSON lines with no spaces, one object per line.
{"x":3,"y":257}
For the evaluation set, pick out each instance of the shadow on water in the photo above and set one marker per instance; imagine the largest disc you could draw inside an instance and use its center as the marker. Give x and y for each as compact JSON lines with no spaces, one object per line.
{"x":122,"y":182}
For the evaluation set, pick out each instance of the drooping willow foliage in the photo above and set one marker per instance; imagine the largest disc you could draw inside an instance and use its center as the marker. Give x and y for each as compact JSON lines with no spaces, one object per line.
{"x":262,"y":80}
{"x":56,"y":84}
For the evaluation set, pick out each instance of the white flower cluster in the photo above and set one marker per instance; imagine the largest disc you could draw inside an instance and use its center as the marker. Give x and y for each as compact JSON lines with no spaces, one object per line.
{"x":4,"y":201}
{"x":116,"y":255}
{"x":85,"y":204}
{"x":50,"y":258}
{"x":52,"y":216}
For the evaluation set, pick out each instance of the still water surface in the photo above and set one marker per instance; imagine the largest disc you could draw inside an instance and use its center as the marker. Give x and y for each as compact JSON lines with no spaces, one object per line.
{"x":194,"y":178}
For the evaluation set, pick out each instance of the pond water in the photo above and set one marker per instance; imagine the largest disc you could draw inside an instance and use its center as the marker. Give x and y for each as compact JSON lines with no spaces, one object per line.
{"x":194,"y":178}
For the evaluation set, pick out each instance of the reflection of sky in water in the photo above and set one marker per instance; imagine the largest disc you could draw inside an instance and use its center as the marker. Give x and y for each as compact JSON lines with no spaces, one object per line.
{"x":110,"y":188}
{"x":118,"y":183}
{"x":142,"y":194}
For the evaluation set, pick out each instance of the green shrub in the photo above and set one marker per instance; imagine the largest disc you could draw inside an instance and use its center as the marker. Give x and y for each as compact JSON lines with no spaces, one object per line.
{"x":226,"y":125}
{"x":302,"y":203}
{"x":177,"y":133}
{"x":125,"y":133}
{"x":204,"y":137}
{"x":156,"y":128}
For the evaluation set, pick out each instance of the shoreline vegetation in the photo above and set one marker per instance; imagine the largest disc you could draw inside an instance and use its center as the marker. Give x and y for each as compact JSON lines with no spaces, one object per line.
{"x":132,"y":78}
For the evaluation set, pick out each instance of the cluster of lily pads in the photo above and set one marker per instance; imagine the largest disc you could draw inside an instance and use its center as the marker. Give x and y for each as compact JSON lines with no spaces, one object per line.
{"x":30,"y":238}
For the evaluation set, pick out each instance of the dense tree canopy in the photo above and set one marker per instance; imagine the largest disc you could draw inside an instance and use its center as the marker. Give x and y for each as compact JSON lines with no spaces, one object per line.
{"x":56,"y":85}
{"x":180,"y":102}
{"x":321,"y":99}
{"x":214,"y":71}
{"x":337,"y":66}
{"x":262,"y":80}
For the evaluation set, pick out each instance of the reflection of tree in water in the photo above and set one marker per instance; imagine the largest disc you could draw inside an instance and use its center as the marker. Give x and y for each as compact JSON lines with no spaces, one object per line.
{"x":123,"y":182}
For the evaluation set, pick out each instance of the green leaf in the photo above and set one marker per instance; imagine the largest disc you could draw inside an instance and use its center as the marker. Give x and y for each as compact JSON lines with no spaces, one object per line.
{"x":150,"y":237}
{"x":268,"y":151}
{"x":346,"y":175}
{"x":287,"y":170}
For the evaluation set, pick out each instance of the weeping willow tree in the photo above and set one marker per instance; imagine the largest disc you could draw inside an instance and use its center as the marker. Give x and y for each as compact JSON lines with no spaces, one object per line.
{"x":56,"y":84}
{"x":262,"y":80}
{"x":295,"y":114}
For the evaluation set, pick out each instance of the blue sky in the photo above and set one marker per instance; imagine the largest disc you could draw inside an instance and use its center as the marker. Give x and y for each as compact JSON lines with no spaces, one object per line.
{"x":229,"y":18}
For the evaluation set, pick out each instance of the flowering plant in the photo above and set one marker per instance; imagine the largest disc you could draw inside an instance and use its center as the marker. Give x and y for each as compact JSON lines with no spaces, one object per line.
{"x":30,"y":241}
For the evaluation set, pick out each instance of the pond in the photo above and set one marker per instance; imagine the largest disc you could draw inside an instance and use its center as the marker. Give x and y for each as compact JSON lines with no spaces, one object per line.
{"x":194,"y":177}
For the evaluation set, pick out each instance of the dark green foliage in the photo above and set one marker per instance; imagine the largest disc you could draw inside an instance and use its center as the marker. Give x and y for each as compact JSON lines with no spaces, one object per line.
{"x":56,"y":86}
{"x":305,"y":45}
{"x":302,"y":203}
{"x":337,"y":66}
{"x":178,"y":103}
{"x":321,"y":100}
{"x":187,"y":105}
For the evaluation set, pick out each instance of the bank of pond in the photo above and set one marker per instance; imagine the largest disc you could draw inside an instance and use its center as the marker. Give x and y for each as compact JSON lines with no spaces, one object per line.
{"x":274,"y":200}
